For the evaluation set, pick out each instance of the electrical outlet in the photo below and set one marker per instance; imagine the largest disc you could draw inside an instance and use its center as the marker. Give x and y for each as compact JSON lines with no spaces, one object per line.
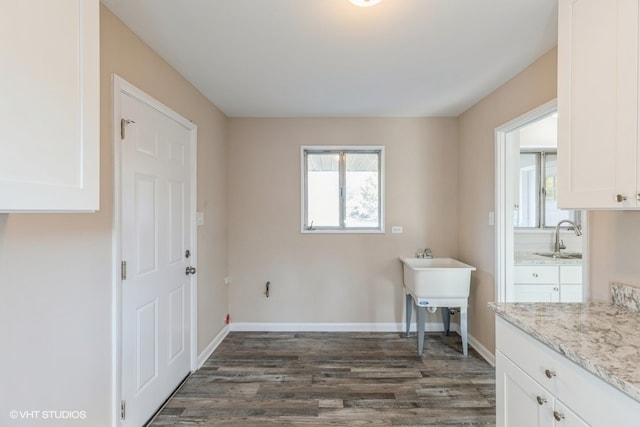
{"x":227,"y":280}
{"x":397,"y":229}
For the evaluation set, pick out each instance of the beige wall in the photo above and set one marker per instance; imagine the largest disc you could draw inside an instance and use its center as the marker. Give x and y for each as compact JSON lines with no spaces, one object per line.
{"x":613,"y":251}
{"x":476,"y":238}
{"x":55,"y":294}
{"x":333,"y":278}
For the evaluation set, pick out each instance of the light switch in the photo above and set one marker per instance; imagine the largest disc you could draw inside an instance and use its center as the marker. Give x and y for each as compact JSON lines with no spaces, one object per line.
{"x":492,"y":218}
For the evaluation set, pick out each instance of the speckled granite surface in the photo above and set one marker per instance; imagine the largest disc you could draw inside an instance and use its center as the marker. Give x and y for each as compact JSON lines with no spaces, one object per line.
{"x":602,"y":338}
{"x":625,"y":296}
{"x":529,"y":258}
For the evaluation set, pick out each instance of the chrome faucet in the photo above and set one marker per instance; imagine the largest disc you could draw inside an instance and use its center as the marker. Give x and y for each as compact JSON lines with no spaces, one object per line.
{"x":558,"y":245}
{"x":424,"y":253}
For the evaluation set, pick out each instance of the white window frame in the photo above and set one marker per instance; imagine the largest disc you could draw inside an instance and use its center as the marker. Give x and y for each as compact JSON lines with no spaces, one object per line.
{"x":304,"y":227}
{"x":541,"y":203}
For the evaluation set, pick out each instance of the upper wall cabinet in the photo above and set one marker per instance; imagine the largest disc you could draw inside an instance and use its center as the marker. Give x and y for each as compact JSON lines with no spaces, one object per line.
{"x":49,"y":105}
{"x":598,"y":104}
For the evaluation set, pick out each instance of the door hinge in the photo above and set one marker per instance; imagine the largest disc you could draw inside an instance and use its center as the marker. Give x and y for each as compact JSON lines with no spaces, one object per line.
{"x":123,"y":409}
{"x":123,"y":270}
{"x":123,"y":125}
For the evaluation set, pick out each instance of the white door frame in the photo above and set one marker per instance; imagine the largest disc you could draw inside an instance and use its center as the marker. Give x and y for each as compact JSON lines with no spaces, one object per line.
{"x":504,"y":227}
{"x":121,"y":86}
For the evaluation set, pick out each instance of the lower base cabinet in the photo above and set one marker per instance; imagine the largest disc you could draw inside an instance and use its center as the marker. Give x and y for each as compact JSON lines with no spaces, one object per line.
{"x":525,"y":403}
{"x":536,"y":386}
{"x":547,"y":283}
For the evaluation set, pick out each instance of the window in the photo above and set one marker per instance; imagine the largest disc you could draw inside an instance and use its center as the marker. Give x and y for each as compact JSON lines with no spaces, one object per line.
{"x":537,"y":206}
{"x":342,"y":189}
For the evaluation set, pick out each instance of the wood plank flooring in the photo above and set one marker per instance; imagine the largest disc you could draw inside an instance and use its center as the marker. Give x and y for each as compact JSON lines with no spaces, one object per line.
{"x":335,"y":379}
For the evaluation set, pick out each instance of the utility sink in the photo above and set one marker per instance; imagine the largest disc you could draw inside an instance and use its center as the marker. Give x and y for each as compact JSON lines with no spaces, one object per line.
{"x":436,"y":277}
{"x":560,"y":255}
{"x":432,"y":284}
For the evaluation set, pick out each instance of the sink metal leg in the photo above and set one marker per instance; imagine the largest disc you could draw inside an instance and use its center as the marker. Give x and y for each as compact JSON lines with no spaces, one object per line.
{"x":463,"y":330}
{"x":420,"y":311}
{"x":446,"y":319}
{"x":408,"y":310}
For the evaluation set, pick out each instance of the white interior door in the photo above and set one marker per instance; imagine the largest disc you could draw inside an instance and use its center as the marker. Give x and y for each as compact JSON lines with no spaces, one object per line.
{"x":155,"y":237}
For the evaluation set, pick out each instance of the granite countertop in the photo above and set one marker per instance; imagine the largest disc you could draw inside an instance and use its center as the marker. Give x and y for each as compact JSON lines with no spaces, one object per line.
{"x":530,"y":258}
{"x":603,"y":338}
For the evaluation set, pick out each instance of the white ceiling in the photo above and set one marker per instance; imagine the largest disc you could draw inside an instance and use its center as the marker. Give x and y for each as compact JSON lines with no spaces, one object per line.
{"x":329,"y":58}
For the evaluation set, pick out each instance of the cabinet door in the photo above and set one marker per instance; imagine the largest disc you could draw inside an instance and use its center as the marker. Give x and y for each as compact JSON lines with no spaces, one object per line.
{"x":597,"y":103}
{"x":520,"y":401}
{"x":536,"y":293}
{"x":565,"y":417}
{"x":571,"y":274}
{"x":570,"y":293}
{"x":570,"y":283}
{"x":49,"y":108}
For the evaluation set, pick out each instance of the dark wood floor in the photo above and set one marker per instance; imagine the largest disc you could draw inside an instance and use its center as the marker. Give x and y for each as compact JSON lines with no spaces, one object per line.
{"x":335,"y":379}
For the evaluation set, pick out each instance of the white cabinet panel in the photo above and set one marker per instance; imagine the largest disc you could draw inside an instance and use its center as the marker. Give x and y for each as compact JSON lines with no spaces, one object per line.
{"x":49,"y":108}
{"x":536,"y":293}
{"x":525,"y":402}
{"x":570,"y":293}
{"x":565,"y":417}
{"x":571,"y":274}
{"x":597,"y":104}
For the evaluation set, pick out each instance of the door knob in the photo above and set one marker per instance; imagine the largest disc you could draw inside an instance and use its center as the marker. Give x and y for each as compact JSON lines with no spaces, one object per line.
{"x":620,"y":198}
{"x":190,"y":270}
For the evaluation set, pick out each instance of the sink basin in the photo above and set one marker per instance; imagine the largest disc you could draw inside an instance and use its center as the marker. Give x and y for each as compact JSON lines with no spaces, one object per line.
{"x":443,"y":278}
{"x":561,"y":255}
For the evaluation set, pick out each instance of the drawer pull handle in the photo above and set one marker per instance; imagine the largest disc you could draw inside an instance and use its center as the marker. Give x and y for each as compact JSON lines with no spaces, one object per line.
{"x":558,"y":416}
{"x":549,"y":374}
{"x":541,"y":400}
{"x":535,"y":274}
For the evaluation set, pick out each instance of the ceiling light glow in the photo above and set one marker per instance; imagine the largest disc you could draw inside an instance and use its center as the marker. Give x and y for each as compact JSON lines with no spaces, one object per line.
{"x":365,"y":3}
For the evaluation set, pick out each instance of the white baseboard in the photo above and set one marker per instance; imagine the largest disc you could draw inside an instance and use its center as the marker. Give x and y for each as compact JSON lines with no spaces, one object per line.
{"x":215,"y":342}
{"x":483,"y":351}
{"x":334,"y":327}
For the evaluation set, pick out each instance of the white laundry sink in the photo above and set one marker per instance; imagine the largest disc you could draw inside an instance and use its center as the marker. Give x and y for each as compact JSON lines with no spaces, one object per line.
{"x":436,"y":283}
{"x":436,"y":277}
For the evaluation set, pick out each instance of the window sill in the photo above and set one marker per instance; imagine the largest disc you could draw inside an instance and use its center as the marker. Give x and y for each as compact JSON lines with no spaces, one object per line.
{"x":305,"y":231}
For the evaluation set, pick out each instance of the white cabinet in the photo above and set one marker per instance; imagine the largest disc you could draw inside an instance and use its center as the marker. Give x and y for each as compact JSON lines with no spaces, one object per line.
{"x":49,"y":108}
{"x":536,"y":283}
{"x":525,"y":402}
{"x":547,"y":283}
{"x":536,"y":386}
{"x":598,"y":104}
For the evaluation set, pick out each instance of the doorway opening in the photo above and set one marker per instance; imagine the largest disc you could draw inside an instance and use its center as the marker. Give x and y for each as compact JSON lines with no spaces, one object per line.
{"x":538,"y":246}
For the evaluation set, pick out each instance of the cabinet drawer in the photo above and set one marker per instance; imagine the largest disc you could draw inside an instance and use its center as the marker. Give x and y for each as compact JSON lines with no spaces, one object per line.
{"x":535,"y":274}
{"x":597,"y":402}
{"x":571,"y":274}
